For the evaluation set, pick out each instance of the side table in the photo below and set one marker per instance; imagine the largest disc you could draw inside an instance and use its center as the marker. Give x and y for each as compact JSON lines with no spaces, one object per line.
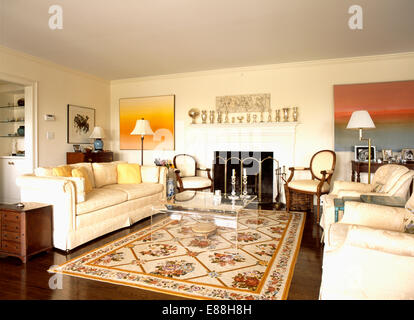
{"x":339,"y":204}
{"x":25,"y":231}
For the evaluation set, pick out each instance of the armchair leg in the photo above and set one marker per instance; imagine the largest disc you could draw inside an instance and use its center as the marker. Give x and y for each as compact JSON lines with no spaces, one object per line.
{"x":318,"y":209}
{"x":288,"y":200}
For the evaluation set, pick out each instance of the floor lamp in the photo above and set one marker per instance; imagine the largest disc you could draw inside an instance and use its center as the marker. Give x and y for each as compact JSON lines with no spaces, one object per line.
{"x":362,"y":120}
{"x":142,"y":128}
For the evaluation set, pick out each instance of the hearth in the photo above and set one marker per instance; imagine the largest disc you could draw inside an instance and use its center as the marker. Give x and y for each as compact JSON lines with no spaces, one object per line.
{"x":260,"y":167}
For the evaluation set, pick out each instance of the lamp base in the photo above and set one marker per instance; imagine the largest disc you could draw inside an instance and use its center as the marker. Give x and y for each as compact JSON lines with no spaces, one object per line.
{"x":98,"y":145}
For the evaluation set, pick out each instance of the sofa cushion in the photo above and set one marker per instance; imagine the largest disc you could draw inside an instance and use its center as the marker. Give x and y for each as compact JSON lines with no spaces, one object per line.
{"x":387,"y":176}
{"x":99,"y":199}
{"x":150,"y":174}
{"x":105,"y":173}
{"x":136,"y":191}
{"x":89,"y":170}
{"x":62,"y":171}
{"x":308,"y":185}
{"x":82,"y":173}
{"x":129,"y":173}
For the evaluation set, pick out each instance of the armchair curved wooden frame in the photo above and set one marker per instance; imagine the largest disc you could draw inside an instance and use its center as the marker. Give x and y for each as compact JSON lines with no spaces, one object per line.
{"x":323,"y":176}
{"x":180,"y":185}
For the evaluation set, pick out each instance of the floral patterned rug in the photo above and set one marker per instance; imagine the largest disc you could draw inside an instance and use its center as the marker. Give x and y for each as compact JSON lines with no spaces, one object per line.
{"x":258,"y":264}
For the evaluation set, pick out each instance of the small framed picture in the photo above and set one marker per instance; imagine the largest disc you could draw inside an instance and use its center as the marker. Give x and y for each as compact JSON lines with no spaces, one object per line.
{"x":81,"y":121}
{"x":387,"y":155}
{"x":77,"y":148}
{"x":407,"y":154}
{"x":361,"y":153}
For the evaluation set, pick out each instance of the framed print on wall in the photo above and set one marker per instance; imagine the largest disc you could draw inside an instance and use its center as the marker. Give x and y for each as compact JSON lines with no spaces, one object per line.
{"x":81,"y":121}
{"x":361,"y":153}
{"x":159,"y":111}
{"x":391,"y":107}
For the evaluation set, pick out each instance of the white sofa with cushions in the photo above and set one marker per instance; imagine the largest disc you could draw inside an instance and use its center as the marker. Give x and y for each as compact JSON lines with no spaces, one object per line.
{"x":369,"y":254}
{"x":96,"y":203}
{"x":389,"y":180}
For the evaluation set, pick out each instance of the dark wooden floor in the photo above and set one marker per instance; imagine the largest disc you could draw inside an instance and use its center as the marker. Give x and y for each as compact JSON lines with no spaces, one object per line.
{"x":31,"y":280}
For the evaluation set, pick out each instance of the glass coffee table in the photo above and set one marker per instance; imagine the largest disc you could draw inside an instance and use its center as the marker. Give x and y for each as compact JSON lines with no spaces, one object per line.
{"x":202,"y":213}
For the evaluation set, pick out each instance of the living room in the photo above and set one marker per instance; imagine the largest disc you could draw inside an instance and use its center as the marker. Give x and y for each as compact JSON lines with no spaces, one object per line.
{"x":91,"y":61}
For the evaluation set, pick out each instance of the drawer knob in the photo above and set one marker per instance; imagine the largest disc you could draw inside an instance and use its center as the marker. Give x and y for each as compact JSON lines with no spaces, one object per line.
{"x":11,"y":163}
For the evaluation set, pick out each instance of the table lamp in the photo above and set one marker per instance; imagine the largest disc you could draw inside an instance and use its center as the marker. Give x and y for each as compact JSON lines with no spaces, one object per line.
{"x":98,"y":134}
{"x":142,"y":128}
{"x":362,"y":120}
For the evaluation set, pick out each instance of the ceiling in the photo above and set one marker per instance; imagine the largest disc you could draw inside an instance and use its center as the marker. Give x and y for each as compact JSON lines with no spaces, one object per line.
{"x":116,"y":39}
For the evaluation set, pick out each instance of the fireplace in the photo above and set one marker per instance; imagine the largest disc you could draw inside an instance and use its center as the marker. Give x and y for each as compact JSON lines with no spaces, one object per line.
{"x":260,"y":167}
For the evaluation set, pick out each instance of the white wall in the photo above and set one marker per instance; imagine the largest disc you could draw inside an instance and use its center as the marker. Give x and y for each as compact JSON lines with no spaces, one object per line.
{"x":308,"y":85}
{"x":57,"y":87}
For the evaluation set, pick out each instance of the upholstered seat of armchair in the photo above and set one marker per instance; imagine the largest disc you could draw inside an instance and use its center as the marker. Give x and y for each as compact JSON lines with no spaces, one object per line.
{"x":370,"y":254}
{"x":389,"y":180}
{"x":186,"y":174}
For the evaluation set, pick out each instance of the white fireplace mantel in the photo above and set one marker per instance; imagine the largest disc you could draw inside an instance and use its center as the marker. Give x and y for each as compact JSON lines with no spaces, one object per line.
{"x":280,"y":137}
{"x":202,"y":140}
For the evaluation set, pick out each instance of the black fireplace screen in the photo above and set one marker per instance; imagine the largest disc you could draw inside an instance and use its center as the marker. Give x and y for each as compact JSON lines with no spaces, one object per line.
{"x":259,"y":167}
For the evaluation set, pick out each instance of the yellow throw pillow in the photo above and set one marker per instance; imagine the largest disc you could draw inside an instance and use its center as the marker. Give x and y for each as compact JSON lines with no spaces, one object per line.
{"x":82,"y":172}
{"x":129,"y":173}
{"x":62,"y":171}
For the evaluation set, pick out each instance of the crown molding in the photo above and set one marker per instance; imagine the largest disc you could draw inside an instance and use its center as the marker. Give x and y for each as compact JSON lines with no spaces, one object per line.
{"x":23,"y":55}
{"x":304,"y":64}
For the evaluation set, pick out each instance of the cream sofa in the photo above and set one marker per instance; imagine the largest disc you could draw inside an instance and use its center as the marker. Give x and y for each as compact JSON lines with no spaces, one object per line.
{"x":389,"y":180}
{"x":370,"y":254}
{"x":79,"y":217}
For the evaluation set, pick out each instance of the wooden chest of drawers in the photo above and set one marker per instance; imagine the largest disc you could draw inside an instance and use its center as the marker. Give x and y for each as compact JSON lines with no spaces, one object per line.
{"x":25,"y":231}
{"x":76,"y":157}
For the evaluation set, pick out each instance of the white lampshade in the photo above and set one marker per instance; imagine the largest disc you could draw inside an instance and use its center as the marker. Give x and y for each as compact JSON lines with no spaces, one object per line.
{"x":97,"y":133}
{"x":360,"y":120}
{"x":142,"y":128}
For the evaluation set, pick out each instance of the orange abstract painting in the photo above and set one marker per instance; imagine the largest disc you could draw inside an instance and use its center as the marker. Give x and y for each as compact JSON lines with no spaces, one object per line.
{"x":160,"y":113}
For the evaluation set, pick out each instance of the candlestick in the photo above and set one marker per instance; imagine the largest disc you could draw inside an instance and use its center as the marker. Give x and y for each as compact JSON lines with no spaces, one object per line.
{"x":233,"y":185}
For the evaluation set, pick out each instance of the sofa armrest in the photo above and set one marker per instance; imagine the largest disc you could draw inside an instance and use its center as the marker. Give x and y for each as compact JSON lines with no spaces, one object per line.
{"x":375,"y":216}
{"x":350,"y":186}
{"x":57,"y":191}
{"x":393,"y":242}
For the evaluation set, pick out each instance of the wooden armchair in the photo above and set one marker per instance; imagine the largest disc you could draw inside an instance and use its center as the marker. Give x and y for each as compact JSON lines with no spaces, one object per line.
{"x":322,"y":166}
{"x":186,"y":172}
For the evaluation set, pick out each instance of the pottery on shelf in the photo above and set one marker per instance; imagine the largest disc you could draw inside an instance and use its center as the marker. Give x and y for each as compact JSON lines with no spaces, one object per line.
{"x":20,"y":131}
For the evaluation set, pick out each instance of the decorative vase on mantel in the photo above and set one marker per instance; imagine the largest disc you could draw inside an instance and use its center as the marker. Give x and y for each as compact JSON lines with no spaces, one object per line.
{"x":212,"y":116}
{"x":295,"y":114}
{"x":285,"y":114}
{"x":204,"y":116}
